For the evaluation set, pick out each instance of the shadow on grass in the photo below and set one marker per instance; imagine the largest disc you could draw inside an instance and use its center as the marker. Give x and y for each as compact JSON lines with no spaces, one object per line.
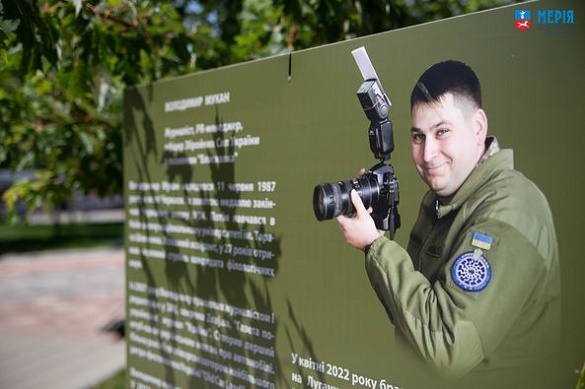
{"x":26,"y":238}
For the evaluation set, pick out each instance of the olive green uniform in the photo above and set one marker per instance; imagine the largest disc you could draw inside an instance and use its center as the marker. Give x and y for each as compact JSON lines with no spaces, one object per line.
{"x":478,"y":288}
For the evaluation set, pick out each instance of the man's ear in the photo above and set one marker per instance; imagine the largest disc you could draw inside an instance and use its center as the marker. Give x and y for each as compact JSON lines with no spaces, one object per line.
{"x":480,"y":123}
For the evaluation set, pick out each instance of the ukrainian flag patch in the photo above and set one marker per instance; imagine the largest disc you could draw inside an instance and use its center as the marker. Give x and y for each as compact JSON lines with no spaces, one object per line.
{"x":482,"y":241}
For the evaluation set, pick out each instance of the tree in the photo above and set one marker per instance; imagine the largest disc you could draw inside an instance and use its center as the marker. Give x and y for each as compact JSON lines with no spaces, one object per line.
{"x":64,"y":70}
{"x":64,"y":65}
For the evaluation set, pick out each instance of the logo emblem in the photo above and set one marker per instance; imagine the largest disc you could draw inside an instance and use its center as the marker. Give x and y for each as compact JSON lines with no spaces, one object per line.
{"x":471,"y":271}
{"x":522,"y":20}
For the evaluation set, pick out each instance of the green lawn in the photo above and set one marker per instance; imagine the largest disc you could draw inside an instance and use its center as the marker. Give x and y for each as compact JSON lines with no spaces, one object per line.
{"x":22,"y":238}
{"x":117,"y":381}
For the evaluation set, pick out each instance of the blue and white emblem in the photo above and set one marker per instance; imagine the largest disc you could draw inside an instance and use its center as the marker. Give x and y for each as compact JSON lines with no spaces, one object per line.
{"x":471,"y":271}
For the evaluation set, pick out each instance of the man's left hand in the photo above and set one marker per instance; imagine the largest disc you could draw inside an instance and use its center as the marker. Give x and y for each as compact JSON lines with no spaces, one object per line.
{"x":360,"y":231}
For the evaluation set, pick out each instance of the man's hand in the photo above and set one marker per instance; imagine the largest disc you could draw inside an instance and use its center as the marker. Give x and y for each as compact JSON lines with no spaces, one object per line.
{"x":359,"y":231}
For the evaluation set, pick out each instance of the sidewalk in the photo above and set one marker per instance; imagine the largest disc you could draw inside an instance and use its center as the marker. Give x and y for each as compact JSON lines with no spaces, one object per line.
{"x":53,"y":307}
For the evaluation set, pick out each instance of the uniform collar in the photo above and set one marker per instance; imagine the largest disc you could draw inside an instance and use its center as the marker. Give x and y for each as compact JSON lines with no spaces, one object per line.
{"x":491,"y":147}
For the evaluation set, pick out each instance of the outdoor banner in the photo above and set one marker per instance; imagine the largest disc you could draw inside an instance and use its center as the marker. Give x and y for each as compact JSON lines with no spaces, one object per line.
{"x":231,"y":280}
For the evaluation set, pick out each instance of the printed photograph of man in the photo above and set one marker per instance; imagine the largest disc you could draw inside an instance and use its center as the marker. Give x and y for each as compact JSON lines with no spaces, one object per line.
{"x":477,"y":291}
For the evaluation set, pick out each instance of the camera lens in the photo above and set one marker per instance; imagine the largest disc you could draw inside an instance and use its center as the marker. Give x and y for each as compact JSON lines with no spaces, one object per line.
{"x":333,"y":199}
{"x":328,"y":200}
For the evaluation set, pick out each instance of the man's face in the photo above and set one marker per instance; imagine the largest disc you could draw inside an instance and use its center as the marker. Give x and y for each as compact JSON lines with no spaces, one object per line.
{"x":447,"y":140}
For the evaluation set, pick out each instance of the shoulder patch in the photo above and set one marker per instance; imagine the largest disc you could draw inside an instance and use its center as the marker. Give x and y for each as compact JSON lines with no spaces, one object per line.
{"x":471,"y":271}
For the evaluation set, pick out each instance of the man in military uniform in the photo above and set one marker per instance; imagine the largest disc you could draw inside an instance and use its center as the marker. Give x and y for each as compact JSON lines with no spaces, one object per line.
{"x":477,"y":290}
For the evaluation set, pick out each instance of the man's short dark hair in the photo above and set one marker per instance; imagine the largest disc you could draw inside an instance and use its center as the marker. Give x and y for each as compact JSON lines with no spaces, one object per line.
{"x":446,"y":77}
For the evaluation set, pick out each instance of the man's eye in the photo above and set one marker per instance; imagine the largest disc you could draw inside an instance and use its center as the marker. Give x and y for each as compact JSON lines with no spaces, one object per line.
{"x":442,"y":132}
{"x":418,"y":138}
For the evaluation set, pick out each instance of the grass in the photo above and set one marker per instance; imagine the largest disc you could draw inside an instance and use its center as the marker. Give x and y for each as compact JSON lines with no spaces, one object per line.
{"x":24,"y":238}
{"x":117,"y":381}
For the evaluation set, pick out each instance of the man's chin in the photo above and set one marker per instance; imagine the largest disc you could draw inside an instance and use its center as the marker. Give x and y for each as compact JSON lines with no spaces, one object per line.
{"x":434,"y":183}
{"x":438,"y":187}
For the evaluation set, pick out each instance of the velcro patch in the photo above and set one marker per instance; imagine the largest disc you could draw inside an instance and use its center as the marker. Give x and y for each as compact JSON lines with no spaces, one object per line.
{"x":471,"y":271}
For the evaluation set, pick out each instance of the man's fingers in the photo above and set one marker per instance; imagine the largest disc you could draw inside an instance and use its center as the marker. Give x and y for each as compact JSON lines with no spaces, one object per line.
{"x":357,"y":203}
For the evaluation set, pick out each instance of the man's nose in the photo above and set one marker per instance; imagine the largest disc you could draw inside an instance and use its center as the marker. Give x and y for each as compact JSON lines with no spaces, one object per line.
{"x":430,"y":149}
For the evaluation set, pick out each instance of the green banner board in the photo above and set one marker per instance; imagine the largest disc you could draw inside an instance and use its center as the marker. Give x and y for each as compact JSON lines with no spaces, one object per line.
{"x":233,"y":283}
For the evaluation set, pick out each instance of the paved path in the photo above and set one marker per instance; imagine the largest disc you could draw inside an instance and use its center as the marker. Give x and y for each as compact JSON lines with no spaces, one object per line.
{"x":53,"y":308}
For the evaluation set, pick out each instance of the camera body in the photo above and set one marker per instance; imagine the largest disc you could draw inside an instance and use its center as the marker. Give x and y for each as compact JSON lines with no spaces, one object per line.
{"x":378,"y":187}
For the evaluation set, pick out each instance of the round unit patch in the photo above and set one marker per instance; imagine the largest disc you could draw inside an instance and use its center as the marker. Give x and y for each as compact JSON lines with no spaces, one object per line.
{"x":471,"y":272}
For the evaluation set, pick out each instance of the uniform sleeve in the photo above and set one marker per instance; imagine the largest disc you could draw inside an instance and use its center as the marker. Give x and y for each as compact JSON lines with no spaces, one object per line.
{"x":450,"y":325}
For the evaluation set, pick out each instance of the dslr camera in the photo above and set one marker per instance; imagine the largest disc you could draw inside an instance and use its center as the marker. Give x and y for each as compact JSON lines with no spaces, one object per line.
{"x":378,"y":187}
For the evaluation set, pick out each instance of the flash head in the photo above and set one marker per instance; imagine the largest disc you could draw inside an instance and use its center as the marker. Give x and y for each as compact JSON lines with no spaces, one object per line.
{"x":373,"y":101}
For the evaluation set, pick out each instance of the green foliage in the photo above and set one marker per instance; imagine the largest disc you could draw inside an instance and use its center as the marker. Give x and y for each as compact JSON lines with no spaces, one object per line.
{"x":65,"y":63}
{"x":65,"y":68}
